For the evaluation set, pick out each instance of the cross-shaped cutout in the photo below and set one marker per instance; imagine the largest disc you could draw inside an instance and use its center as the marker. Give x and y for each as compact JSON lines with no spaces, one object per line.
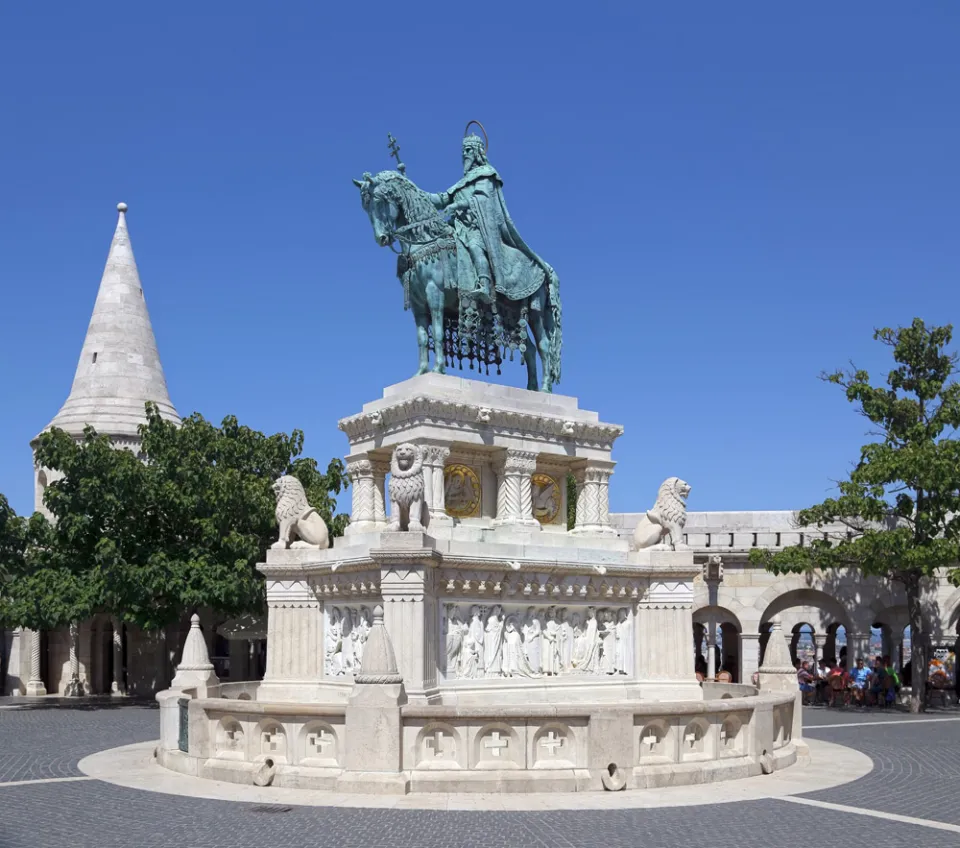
{"x":650,"y":740}
{"x":495,"y":743}
{"x":551,"y":742}
{"x":436,"y":742}
{"x":271,"y":740}
{"x":319,"y":740}
{"x":692,"y":738}
{"x":234,"y":737}
{"x":723,"y":736}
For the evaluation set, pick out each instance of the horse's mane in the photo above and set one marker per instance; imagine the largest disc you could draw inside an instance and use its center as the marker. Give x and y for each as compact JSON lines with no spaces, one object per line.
{"x":414,"y":201}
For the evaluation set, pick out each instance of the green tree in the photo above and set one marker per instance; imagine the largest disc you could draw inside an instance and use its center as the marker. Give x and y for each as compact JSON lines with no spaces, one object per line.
{"x":571,"y":502}
{"x":180,"y":526}
{"x":900,"y":506}
{"x":12,"y":545}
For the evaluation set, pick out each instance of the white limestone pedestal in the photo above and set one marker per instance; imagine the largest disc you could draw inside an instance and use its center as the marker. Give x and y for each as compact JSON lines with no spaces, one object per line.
{"x":533,"y":657}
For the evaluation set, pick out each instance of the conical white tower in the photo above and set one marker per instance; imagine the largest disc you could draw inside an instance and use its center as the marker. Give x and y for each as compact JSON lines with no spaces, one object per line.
{"x":119,"y":368}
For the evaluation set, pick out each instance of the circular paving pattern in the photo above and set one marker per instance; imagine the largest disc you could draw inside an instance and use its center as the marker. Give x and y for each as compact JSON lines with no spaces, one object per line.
{"x":908,"y":796}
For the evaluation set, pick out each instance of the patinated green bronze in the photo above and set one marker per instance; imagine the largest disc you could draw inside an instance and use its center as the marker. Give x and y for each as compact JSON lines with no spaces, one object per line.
{"x":475,"y":288}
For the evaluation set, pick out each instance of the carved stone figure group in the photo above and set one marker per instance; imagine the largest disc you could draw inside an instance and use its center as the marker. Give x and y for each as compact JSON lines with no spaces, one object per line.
{"x":489,"y":642}
{"x":346,"y":635}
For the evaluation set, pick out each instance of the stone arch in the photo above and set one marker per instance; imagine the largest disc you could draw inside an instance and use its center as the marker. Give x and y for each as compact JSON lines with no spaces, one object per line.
{"x":728,"y":629}
{"x":811,"y":603}
{"x":951,"y":613}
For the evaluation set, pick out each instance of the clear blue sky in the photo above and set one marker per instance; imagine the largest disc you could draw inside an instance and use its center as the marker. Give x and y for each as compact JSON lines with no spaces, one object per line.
{"x":733,"y":195}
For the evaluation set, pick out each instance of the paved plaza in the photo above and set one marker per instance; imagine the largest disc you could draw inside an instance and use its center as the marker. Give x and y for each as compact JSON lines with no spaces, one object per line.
{"x":46,"y":799}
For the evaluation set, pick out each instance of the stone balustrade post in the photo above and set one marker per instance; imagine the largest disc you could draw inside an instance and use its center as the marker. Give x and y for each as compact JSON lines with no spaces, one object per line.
{"x":514,"y":489}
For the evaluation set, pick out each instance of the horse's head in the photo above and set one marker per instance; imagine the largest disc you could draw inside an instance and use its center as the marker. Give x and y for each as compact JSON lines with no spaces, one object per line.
{"x":382,"y":202}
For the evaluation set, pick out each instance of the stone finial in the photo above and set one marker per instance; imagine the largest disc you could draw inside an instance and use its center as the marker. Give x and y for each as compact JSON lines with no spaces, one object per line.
{"x":776,"y":658}
{"x":379,"y":663}
{"x":195,"y":668}
{"x":121,"y":207}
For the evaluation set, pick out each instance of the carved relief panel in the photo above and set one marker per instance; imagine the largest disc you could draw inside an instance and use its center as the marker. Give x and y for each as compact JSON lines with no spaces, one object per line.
{"x":346,"y":629}
{"x":492,"y":640}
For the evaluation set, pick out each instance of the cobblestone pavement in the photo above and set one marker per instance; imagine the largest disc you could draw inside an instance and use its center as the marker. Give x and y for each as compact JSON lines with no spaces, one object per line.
{"x":916,"y":769}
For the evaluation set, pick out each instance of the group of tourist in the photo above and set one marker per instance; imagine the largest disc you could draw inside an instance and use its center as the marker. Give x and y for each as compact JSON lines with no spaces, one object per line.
{"x":830,"y":681}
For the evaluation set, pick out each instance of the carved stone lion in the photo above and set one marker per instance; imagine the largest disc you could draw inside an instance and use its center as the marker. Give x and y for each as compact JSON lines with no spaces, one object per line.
{"x":406,"y":487}
{"x":301,"y":526}
{"x":662,"y":527}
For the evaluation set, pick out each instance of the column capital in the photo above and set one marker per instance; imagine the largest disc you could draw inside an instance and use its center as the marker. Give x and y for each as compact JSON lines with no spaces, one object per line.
{"x":434,"y":454}
{"x":358,"y":466}
{"x":516,"y":462}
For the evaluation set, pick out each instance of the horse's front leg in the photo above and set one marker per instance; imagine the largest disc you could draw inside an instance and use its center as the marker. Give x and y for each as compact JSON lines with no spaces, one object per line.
{"x":530,"y":357}
{"x":542,"y":339}
{"x":435,"y":299}
{"x":421,"y":317}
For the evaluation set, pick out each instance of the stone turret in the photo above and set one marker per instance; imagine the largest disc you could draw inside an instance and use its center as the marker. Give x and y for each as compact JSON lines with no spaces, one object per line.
{"x":119,"y":368}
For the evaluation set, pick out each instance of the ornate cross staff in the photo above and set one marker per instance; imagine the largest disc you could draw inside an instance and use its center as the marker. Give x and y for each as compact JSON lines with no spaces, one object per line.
{"x":395,"y":153}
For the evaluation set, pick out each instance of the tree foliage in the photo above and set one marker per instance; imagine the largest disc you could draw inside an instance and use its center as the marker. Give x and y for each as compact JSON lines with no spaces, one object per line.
{"x":900,"y":506}
{"x":12,"y":544}
{"x":180,"y":526}
{"x":571,"y":501}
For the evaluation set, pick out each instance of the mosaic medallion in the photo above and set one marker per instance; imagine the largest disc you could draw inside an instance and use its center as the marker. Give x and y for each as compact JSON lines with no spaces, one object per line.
{"x":547,"y":498}
{"x":461,"y":491}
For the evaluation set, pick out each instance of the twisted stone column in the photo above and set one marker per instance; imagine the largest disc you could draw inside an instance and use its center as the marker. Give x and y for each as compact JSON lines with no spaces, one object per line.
{"x":593,"y":499}
{"x":514,"y":491}
{"x":74,"y":687}
{"x":380,"y":470}
{"x":434,"y":460}
{"x":363,"y":495}
{"x":35,"y":686}
{"x":116,"y":685}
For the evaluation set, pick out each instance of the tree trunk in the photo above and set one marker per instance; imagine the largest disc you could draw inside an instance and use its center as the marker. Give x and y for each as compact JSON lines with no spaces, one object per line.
{"x":918,"y":644}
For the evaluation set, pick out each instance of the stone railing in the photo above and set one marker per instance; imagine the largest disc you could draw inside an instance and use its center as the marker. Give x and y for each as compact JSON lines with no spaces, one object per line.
{"x":511,"y":748}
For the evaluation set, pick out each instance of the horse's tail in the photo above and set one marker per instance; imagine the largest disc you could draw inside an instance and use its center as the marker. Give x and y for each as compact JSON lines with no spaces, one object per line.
{"x":556,"y":322}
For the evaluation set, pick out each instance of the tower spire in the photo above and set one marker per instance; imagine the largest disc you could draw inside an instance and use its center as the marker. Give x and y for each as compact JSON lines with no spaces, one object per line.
{"x":119,"y":368}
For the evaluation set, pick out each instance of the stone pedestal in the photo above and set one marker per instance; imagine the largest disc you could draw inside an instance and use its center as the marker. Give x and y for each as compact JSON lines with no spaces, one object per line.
{"x":294,"y":634}
{"x":407,"y":586}
{"x":777,"y":674}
